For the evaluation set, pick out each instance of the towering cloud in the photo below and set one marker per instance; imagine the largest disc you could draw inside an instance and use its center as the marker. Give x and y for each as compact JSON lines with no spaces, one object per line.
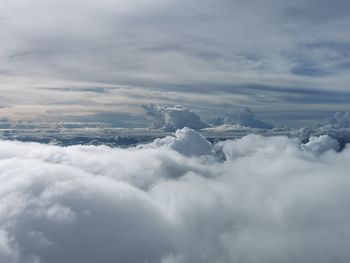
{"x":247,"y":118}
{"x":339,"y":120}
{"x":173,"y":118}
{"x":159,"y":203}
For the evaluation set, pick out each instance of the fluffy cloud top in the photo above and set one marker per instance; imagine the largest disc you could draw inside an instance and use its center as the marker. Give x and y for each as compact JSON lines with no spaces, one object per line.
{"x":338,"y":127}
{"x":268,"y":200}
{"x":187,"y":142}
{"x":319,"y":145}
{"x":173,"y":118}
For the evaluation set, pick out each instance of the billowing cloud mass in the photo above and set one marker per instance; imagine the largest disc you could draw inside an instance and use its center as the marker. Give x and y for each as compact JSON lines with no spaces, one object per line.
{"x":171,"y":118}
{"x":268,"y":199}
{"x":319,"y":145}
{"x":338,"y":127}
{"x":186,"y":141}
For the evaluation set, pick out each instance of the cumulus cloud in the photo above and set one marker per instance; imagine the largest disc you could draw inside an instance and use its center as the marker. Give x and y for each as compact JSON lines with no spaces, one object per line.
{"x":186,"y":141}
{"x":247,"y":118}
{"x":321,"y":144}
{"x":171,"y":118}
{"x":339,"y":120}
{"x":338,"y":127}
{"x":269,"y":200}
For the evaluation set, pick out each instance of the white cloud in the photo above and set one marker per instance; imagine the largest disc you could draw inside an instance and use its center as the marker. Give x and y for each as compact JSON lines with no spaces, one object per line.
{"x":321,"y":144}
{"x":269,"y":201}
{"x":187,"y":142}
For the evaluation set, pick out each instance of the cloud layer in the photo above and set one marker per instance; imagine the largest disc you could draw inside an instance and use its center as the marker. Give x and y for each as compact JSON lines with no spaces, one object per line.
{"x":256,"y":199}
{"x":84,"y":58}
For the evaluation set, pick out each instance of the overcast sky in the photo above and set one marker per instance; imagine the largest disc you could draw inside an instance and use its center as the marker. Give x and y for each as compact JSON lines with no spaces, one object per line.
{"x":79,"y":59}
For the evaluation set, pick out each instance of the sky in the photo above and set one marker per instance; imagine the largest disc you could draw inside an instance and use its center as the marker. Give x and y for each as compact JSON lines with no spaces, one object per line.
{"x":87,"y":60}
{"x":181,"y":198}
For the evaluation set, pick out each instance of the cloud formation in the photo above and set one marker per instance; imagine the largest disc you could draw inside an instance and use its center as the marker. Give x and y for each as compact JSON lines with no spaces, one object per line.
{"x":187,"y":142}
{"x":338,"y":127}
{"x":339,"y":120}
{"x":268,"y":200}
{"x":247,"y":118}
{"x":171,"y":118}
{"x":321,"y":144}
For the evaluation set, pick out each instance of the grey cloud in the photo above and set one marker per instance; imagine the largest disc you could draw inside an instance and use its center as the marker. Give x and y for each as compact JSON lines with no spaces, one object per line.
{"x":337,"y":127}
{"x":340,"y":120}
{"x":171,"y":118}
{"x":81,"y":89}
{"x":247,"y":118}
{"x":321,"y":144}
{"x":107,"y":50}
{"x":321,"y":59}
{"x":316,"y":12}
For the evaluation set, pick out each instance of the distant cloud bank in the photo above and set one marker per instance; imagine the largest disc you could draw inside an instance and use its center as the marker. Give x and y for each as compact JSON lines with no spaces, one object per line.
{"x":171,"y":118}
{"x":247,"y":118}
